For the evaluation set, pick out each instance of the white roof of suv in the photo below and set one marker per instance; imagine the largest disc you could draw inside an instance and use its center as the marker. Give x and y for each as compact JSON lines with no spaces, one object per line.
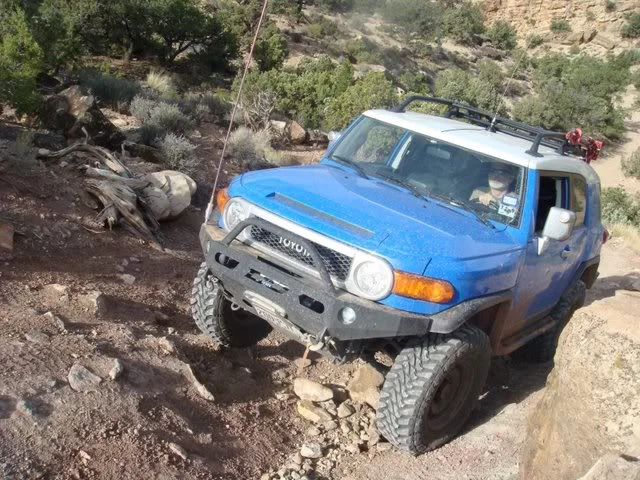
{"x":478,"y":139}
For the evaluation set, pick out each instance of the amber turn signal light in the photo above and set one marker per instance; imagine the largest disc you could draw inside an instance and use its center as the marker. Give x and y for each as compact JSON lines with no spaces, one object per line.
{"x":222,"y":197}
{"x":422,"y":288}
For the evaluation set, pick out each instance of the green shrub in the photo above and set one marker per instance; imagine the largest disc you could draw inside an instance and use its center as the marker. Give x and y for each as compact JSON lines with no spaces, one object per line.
{"x":560,"y":25}
{"x":55,"y":25}
{"x":482,"y":90}
{"x":534,"y":40}
{"x":218,"y":106}
{"x":618,"y":206}
{"x":577,"y":92}
{"x":590,"y":16}
{"x":160,"y":117}
{"x":562,"y":107}
{"x":503,"y":35}
{"x":635,"y":79}
{"x":632,"y":28}
{"x":628,"y":57}
{"x":182,"y":25}
{"x":631,"y":164}
{"x":109,"y":89}
{"x":301,"y":93}
{"x":610,"y":5}
{"x":461,"y":22}
{"x":363,"y":50}
{"x":149,"y":134}
{"x":316,"y":30}
{"x":371,"y":91}
{"x":271,"y":50}
{"x":179,"y":153}
{"x":334,"y":5}
{"x":141,"y":107}
{"x":414,"y":16}
{"x":21,"y":60}
{"x":170,"y":118}
{"x":415,"y":82}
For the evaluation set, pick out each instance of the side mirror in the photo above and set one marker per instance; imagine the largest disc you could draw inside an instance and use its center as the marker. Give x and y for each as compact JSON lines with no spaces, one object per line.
{"x":333,"y":137}
{"x":559,"y":225}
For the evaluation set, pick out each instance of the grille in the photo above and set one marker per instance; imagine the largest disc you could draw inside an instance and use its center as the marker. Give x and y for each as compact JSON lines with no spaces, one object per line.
{"x":337,"y":264}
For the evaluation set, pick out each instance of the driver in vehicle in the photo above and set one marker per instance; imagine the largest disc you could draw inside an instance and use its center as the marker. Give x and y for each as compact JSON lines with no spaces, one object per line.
{"x":500,"y":183}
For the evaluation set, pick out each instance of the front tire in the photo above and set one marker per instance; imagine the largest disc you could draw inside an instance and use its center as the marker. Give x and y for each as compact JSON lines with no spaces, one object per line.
{"x":432,"y":388}
{"x":213,"y":315}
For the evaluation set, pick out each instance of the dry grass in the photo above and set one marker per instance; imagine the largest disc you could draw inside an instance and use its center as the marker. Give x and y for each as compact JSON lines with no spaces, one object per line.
{"x":160,"y":82}
{"x":628,"y":233}
{"x":254,"y":149}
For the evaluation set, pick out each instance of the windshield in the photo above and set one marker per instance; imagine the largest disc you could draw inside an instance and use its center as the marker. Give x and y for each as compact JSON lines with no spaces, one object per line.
{"x":490,"y":187}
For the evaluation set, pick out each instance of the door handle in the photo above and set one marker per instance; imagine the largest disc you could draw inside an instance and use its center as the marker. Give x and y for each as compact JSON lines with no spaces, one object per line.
{"x":566,"y":252}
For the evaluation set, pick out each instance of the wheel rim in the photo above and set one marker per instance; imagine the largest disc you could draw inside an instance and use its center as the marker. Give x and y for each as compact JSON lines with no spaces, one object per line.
{"x":449,"y":398}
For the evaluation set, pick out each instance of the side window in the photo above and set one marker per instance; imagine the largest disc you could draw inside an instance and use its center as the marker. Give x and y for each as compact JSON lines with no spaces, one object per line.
{"x":579,"y":198}
{"x":370,"y":141}
{"x":378,"y":144}
{"x":552,"y":192}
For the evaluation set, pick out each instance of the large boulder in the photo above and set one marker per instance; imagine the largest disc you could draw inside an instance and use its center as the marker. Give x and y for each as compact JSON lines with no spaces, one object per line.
{"x":169,"y":193}
{"x":591,"y":404}
{"x":573,"y":38}
{"x":613,"y":467}
{"x":604,"y":41}
{"x":73,"y":110}
{"x":297,"y":134}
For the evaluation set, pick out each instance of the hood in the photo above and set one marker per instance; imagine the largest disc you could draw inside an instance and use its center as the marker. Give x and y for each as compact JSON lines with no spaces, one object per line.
{"x":371,"y":214}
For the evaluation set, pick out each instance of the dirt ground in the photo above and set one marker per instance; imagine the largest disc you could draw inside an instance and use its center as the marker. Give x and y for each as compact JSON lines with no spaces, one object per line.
{"x":71,"y":296}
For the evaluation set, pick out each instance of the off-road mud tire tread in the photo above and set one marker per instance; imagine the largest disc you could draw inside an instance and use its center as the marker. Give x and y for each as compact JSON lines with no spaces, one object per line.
{"x":413,"y":378}
{"x":542,"y":349}
{"x":214,"y":317}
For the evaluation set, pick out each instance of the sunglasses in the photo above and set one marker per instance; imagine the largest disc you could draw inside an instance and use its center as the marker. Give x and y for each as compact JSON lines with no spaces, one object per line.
{"x":502,"y":171}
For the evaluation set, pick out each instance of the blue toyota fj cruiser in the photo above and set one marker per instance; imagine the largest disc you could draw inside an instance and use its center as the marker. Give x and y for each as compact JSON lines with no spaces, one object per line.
{"x":440,"y":240}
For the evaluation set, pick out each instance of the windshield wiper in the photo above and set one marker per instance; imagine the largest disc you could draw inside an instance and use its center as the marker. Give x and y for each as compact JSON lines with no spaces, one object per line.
{"x":351,"y":163}
{"x":464,"y":206}
{"x":399,"y":181}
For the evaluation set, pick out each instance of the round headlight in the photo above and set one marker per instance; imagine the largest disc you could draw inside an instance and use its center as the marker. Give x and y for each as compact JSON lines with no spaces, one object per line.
{"x":235,"y":212}
{"x":373,"y":279}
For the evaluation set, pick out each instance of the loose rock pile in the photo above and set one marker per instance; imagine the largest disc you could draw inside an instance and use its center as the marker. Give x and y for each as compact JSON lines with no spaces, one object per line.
{"x":341,"y":423}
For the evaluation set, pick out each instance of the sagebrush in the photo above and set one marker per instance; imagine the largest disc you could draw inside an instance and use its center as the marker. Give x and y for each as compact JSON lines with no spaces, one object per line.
{"x":179,"y":153}
{"x":631,"y":164}
{"x":620,"y":207}
{"x":109,"y":90}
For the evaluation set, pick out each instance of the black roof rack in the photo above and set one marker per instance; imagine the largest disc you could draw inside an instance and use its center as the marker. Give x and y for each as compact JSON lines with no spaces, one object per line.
{"x":537,"y":136}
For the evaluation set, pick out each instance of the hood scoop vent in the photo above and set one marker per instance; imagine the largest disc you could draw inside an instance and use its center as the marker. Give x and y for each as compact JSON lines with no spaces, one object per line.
{"x":362,"y":232}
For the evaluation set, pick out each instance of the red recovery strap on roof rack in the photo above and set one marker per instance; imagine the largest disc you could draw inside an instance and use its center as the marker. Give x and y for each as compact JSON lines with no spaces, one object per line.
{"x":589,"y":149}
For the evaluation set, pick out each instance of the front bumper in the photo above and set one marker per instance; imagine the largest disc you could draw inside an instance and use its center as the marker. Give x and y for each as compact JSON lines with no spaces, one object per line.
{"x":312,"y":305}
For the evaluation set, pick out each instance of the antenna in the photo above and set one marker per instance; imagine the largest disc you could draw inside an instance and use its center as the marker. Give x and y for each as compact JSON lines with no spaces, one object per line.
{"x":235,"y":108}
{"x":515,"y":70}
{"x":506,"y":88}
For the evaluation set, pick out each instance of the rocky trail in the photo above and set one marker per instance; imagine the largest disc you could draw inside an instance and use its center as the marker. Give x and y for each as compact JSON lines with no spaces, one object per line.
{"x":105,"y":376}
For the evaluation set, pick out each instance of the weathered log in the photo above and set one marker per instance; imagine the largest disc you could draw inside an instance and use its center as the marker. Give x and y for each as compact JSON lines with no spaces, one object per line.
{"x":100,"y":153}
{"x":121,"y":202}
{"x":134,"y":183}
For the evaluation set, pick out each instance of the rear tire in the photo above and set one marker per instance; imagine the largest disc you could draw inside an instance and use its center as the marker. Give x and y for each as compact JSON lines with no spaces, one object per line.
{"x":542,"y":349}
{"x":432,"y":388}
{"x":213,"y":315}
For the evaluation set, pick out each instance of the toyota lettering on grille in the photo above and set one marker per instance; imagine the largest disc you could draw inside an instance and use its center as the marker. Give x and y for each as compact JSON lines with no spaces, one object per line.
{"x":293,"y":246}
